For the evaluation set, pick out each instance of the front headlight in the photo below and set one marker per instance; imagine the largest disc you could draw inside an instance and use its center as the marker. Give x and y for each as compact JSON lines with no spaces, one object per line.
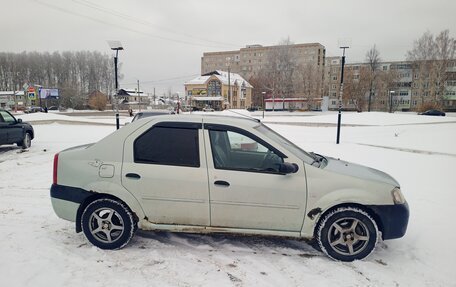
{"x":398,"y":198}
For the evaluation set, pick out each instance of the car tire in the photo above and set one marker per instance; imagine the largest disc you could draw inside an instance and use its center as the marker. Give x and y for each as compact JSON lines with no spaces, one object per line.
{"x":347,"y":234}
{"x":26,"y":141}
{"x":108,"y":224}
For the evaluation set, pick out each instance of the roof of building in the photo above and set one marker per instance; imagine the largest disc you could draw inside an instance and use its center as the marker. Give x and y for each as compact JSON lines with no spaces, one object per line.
{"x":123,"y":92}
{"x":222,"y":76}
{"x":11,"y":93}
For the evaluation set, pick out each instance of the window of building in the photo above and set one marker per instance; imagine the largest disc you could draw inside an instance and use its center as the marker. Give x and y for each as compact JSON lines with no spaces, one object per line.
{"x":404,"y":75}
{"x":334,"y":78}
{"x":403,"y":93}
{"x":168,"y":146}
{"x":385,"y":68}
{"x":414,"y":102}
{"x":355,"y":68}
{"x":214,"y":88}
{"x":356,"y":77}
{"x":333,"y":86}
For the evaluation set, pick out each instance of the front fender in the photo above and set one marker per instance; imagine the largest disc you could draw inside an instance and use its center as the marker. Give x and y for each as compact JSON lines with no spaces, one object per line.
{"x":338,"y":197}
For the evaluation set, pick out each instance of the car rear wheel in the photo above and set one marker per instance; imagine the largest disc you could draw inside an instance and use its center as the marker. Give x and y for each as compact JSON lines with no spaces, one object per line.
{"x":108,"y":224}
{"x":347,"y":234}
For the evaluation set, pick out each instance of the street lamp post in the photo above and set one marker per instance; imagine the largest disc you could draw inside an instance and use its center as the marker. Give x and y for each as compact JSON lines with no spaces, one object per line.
{"x":116,"y":46}
{"x":263,"y":93}
{"x":391,"y":93}
{"x":339,"y":115}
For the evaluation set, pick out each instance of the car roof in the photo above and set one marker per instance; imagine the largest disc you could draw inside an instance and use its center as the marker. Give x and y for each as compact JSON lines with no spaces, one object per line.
{"x":203,"y":118}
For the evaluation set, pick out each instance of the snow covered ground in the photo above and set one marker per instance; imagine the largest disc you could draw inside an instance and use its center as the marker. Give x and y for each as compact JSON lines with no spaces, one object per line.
{"x":39,"y":249}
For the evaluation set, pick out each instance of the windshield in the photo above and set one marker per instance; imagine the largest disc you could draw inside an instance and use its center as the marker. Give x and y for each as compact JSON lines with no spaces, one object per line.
{"x":297,"y":151}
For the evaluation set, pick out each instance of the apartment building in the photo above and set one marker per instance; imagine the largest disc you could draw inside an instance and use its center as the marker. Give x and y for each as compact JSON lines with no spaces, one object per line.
{"x":249,"y":62}
{"x":397,"y":84}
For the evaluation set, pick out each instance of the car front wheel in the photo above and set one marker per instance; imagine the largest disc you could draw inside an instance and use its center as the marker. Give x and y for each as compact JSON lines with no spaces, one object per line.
{"x":347,"y":234}
{"x":26,"y":141}
{"x":108,"y":224}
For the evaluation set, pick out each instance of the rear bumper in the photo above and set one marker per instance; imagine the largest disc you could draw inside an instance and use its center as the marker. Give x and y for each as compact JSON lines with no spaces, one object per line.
{"x":66,"y":200}
{"x":393,"y":219}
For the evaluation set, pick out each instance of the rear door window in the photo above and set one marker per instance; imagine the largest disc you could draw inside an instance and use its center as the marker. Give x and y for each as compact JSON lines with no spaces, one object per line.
{"x":168,"y":146}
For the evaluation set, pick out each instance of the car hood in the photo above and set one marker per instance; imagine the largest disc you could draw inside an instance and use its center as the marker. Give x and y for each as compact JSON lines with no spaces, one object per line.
{"x":359,"y":171}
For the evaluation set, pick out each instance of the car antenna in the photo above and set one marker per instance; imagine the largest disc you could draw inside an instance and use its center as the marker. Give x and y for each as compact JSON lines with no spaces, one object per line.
{"x":246,"y":116}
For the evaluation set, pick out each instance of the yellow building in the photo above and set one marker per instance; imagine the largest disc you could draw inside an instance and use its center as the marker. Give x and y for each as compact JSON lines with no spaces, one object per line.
{"x":219,"y":90}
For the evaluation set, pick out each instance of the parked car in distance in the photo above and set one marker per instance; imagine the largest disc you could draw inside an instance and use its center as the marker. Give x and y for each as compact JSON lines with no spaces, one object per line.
{"x":145,"y":114}
{"x":15,"y":131}
{"x":30,"y":110}
{"x":208,"y":110}
{"x":53,"y":108}
{"x":208,"y":174}
{"x":433,"y":113}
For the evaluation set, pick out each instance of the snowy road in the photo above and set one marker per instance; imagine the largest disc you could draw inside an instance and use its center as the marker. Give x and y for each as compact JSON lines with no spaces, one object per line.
{"x":39,"y":249}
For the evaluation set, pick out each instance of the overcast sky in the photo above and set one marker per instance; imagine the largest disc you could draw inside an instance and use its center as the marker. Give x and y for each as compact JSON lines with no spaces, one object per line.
{"x":165,"y":39}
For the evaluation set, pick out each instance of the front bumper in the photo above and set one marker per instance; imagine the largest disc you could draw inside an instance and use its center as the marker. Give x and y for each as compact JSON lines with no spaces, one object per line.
{"x":393,"y":219}
{"x":66,"y":200}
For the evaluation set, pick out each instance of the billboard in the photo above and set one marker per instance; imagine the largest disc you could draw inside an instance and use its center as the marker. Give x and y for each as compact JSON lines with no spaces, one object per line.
{"x":49,"y":93}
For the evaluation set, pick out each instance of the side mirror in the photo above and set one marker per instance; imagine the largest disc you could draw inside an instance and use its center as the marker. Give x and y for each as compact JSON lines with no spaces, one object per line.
{"x":287,"y":168}
{"x":19,"y":121}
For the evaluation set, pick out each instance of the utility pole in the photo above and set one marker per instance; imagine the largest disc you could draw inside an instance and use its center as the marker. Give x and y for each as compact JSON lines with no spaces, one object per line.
{"x":154,"y":97}
{"x":116,"y":46}
{"x":339,"y":115}
{"x":139,"y":98}
{"x":391,"y":101}
{"x":229,"y":86}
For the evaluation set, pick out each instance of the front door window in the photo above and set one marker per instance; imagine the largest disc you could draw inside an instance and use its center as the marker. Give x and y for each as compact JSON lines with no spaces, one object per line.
{"x":236,"y":151}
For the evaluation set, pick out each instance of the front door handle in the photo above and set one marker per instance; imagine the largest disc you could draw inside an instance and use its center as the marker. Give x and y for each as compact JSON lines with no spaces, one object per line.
{"x":133,"y":175}
{"x":222,"y":183}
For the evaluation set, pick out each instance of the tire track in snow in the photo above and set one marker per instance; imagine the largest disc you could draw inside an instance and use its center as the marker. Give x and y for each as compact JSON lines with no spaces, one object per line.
{"x":409,"y":150}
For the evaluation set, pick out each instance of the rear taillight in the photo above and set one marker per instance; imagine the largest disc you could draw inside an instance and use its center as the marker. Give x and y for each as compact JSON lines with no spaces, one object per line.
{"x":56,"y":164}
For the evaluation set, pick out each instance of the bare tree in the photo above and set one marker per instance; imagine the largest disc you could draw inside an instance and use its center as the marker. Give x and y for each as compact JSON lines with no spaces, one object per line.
{"x":373,"y":60}
{"x":387,"y":82}
{"x":356,"y":86}
{"x":431,"y":58}
{"x":74,"y":73}
{"x":310,"y":82}
{"x":98,"y":100}
{"x":280,"y":69}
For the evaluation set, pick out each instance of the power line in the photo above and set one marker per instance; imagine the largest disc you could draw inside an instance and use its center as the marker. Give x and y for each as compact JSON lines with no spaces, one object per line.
{"x":123,"y":27}
{"x":163,"y":80}
{"x":143,"y":22}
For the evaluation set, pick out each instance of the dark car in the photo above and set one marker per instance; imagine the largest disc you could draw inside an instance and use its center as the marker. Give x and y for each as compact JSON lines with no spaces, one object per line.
{"x":30,"y":110}
{"x":433,"y":113}
{"x":14,"y":131}
{"x":146,"y":114}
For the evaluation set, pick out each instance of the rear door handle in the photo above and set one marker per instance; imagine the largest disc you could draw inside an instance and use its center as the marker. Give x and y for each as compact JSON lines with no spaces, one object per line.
{"x":133,"y":175}
{"x":222,"y":183}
